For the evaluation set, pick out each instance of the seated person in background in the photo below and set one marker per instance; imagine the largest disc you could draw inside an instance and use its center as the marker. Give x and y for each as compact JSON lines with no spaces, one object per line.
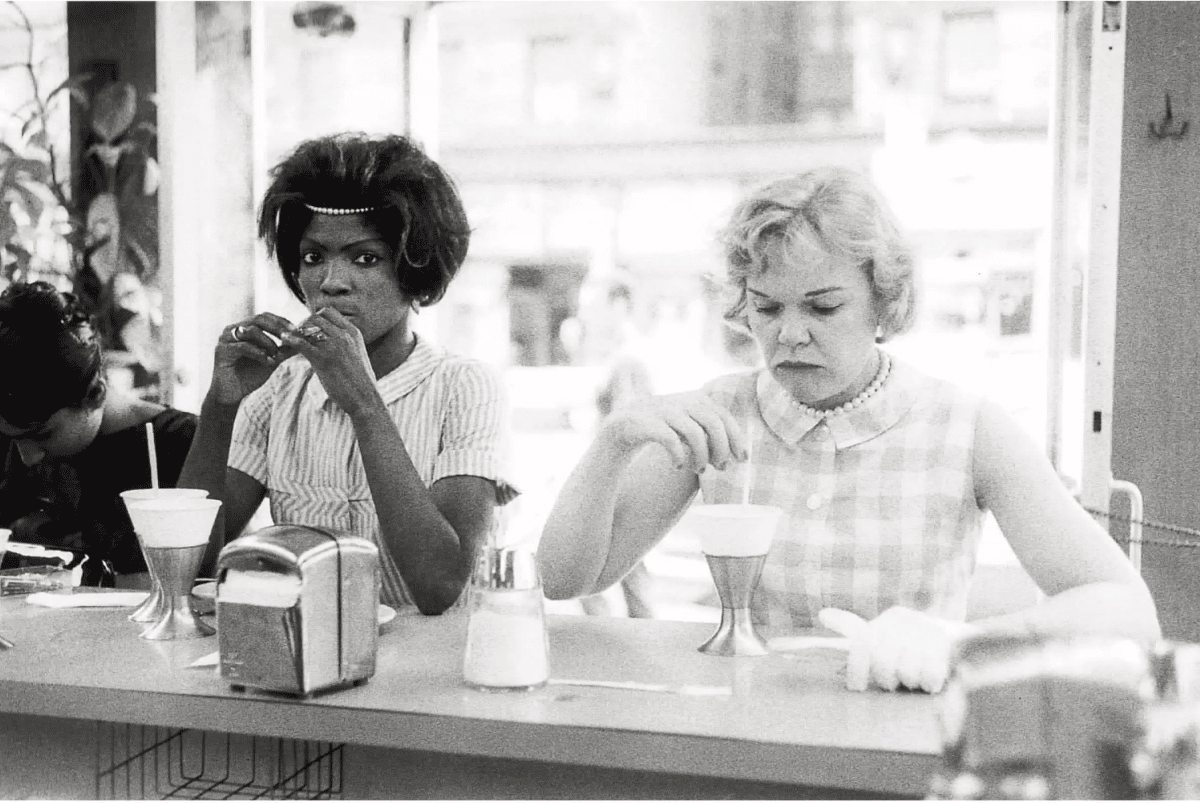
{"x":350,"y":420}
{"x":70,"y":443}
{"x":884,"y":473}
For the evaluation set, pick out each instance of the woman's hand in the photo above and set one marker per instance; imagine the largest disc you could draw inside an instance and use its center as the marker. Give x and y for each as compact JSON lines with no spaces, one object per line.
{"x":247,"y":354}
{"x":335,"y":348}
{"x":900,"y":647}
{"x":695,"y":430}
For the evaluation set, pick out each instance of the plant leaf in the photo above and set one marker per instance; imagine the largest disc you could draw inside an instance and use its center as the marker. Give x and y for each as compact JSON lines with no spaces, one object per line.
{"x":33,"y":204}
{"x":72,"y":84}
{"x":113,"y":110}
{"x":23,"y":256}
{"x":35,"y":169}
{"x":150,"y":177}
{"x":40,"y":139}
{"x":80,"y":96}
{"x":146,"y":267}
{"x":109,"y":155}
{"x":8,"y":226}
{"x":104,"y":227}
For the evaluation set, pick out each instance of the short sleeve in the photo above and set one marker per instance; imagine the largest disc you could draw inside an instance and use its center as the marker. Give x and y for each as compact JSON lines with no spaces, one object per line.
{"x":248,"y":446}
{"x":474,"y":430}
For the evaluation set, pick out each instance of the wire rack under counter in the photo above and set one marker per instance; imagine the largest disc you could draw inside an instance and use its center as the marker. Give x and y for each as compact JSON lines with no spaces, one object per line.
{"x":144,"y":762}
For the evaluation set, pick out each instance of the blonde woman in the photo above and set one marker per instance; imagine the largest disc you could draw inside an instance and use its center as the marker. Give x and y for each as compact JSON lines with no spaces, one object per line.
{"x":884,"y":473}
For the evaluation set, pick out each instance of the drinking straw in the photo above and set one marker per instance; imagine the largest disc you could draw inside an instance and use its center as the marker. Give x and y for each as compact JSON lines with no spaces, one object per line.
{"x":153,"y":455}
{"x":749,"y":464}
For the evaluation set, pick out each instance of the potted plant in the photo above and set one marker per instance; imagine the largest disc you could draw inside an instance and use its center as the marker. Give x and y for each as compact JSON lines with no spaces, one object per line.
{"x":104,"y":246}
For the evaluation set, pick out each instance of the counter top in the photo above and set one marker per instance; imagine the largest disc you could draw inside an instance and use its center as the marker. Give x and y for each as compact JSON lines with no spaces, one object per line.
{"x":788,"y":720}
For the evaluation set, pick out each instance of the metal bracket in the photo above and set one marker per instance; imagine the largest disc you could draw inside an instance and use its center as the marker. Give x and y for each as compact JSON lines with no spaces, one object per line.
{"x":1136,"y":510}
{"x":1168,"y":127}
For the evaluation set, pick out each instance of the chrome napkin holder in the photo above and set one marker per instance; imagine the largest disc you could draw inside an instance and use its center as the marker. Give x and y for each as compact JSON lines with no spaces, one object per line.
{"x":326,"y":638}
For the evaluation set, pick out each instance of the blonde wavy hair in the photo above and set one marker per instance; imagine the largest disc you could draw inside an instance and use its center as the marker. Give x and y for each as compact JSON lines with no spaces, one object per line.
{"x":833,"y":209}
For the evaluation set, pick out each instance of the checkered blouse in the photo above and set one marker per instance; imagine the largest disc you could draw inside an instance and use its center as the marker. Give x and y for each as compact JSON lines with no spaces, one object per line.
{"x":291,"y":437}
{"x":879,"y":503}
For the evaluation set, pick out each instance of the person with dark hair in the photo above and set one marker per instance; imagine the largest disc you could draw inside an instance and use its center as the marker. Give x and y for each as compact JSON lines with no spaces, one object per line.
{"x":70,"y":443}
{"x":350,"y":420}
{"x":884,"y":473}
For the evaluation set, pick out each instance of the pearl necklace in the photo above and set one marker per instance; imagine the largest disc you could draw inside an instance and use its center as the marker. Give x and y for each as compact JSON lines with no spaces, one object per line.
{"x":885,"y":368}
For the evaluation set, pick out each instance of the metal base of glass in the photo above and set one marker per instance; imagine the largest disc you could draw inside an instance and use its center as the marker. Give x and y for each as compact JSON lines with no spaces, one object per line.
{"x":735,"y":578}
{"x":176,"y":569}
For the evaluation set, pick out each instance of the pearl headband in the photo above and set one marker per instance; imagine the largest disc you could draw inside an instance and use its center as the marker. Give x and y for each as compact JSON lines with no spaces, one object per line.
{"x":331,"y":210}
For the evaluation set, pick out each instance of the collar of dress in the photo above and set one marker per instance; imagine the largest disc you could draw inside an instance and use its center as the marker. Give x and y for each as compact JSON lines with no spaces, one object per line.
{"x":899,"y":394}
{"x":396,"y":384}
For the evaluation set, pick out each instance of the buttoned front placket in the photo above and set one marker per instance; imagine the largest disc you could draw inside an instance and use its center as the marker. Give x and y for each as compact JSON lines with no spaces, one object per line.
{"x":808,"y":567}
{"x":820,"y":452}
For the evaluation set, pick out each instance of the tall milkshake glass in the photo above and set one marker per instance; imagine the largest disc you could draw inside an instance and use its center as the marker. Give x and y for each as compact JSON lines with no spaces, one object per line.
{"x":175,"y":535}
{"x":735,"y":540}
{"x":152,"y":608}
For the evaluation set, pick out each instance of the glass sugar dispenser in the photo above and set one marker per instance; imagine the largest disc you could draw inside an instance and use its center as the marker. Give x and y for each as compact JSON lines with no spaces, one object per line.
{"x":507,"y":646}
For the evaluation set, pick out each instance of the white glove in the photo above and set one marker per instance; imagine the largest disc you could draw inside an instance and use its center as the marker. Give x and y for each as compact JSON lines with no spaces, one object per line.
{"x":900,"y":647}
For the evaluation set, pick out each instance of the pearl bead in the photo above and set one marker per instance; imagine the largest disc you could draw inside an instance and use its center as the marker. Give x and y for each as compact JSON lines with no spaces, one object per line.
{"x":885,"y":368}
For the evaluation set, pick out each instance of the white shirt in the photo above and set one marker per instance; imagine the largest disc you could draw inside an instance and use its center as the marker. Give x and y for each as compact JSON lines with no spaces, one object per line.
{"x":293,"y":439}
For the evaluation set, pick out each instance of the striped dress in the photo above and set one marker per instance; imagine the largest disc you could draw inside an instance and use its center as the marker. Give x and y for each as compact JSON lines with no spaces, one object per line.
{"x":294,"y":440}
{"x":879,"y":503}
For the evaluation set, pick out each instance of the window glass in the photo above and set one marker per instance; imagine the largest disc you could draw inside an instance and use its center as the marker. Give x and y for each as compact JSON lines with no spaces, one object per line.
{"x":599,"y":147}
{"x":601,"y":156}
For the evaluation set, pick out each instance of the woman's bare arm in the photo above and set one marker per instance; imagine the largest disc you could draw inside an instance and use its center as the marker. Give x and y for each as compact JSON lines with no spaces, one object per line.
{"x":1092,"y":586}
{"x":631,"y":486}
{"x":432,"y":534}
{"x":205,"y":467}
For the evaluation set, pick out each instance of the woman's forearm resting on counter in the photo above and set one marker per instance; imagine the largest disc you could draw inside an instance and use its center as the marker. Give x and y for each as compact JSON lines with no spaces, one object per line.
{"x":1105,"y":608}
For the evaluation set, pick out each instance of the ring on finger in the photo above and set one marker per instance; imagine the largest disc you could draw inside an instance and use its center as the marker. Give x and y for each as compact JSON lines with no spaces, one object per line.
{"x":313,"y":333}
{"x":237,"y":332}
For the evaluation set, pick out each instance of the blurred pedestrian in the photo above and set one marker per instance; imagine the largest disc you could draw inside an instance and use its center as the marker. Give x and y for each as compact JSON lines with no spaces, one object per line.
{"x":627,"y":379}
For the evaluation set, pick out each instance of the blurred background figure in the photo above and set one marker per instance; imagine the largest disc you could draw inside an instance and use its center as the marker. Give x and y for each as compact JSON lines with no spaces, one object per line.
{"x":628,"y":373}
{"x":628,"y":377}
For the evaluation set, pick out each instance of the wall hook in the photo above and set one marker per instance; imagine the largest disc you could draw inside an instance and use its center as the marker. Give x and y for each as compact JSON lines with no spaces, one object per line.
{"x":1168,"y":127}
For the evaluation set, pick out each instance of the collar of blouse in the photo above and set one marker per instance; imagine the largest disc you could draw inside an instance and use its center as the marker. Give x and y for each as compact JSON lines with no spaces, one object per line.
{"x":876,"y":412}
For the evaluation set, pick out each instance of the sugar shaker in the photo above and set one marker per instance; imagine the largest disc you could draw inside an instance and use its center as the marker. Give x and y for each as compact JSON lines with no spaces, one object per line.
{"x":507,"y":647}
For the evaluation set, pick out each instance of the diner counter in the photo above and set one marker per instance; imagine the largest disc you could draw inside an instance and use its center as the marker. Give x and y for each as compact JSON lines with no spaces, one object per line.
{"x":788,"y":728}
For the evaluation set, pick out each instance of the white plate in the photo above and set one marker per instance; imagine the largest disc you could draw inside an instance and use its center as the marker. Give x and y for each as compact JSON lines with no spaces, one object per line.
{"x":385,"y":614}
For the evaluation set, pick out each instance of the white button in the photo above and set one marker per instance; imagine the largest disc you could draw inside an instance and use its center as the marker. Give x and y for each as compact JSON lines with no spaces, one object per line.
{"x":814,"y":502}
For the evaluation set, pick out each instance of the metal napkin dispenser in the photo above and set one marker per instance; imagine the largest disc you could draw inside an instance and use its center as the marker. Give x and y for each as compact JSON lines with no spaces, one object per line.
{"x":297,"y":608}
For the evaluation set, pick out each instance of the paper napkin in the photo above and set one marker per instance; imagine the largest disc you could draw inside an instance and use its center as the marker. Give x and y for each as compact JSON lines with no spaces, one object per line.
{"x":116,"y":599}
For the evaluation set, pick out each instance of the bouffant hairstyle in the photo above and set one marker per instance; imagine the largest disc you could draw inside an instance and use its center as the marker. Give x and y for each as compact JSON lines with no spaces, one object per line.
{"x":833,"y":209}
{"x":416,"y":208}
{"x":50,"y":355}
